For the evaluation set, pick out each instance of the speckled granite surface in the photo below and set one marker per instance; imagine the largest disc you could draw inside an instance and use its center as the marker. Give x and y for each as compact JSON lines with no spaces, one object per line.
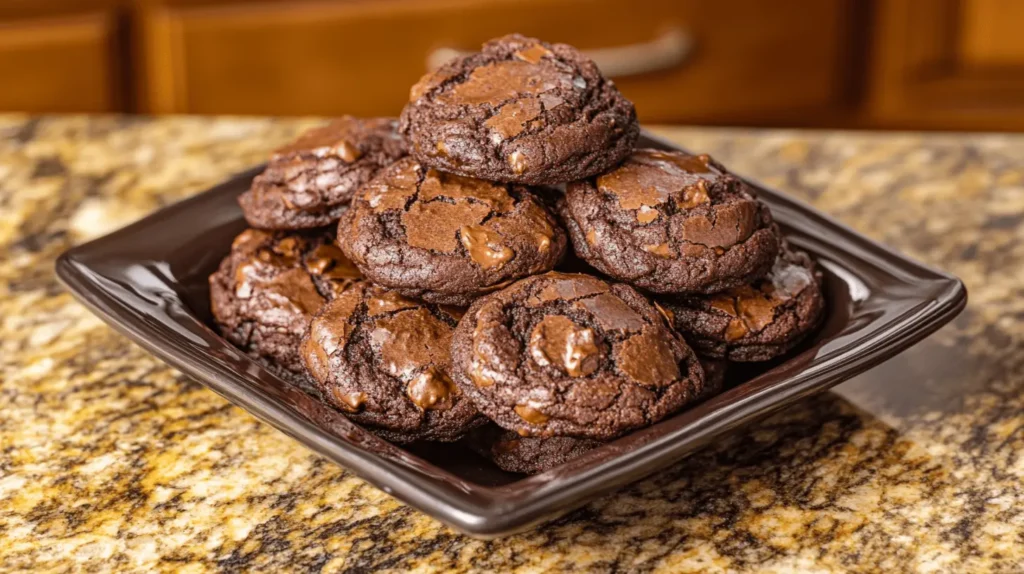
{"x":111,"y":461}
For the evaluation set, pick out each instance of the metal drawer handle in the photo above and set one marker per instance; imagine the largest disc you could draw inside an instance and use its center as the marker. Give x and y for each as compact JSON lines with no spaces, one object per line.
{"x":664,"y":52}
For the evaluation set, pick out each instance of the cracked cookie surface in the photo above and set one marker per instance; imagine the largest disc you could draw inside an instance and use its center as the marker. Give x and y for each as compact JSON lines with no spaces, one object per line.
{"x":754,"y":322}
{"x":669,"y":222}
{"x":384,"y":360}
{"x":571,"y":355}
{"x":308,"y":182}
{"x":270,"y":285}
{"x":520,"y":111}
{"x":444,"y":238}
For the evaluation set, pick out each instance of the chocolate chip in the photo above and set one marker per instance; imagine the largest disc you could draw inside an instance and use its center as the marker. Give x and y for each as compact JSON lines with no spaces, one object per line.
{"x":533,"y":54}
{"x":557,"y":341}
{"x":512,"y":118}
{"x":531,"y":414}
{"x":484,"y":246}
{"x":647,"y":359}
{"x":612,"y":313}
{"x":350,"y":402}
{"x":431,"y":389}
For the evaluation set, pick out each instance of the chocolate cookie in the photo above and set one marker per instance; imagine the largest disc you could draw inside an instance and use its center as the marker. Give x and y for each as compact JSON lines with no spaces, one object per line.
{"x":520,"y":111}
{"x":267,"y":289}
{"x":445,"y":238}
{"x":384,"y":360}
{"x":572,"y":355}
{"x":530,"y":455}
{"x":669,"y":222}
{"x":754,"y":322}
{"x":309,"y":182}
{"x":714,"y":375}
{"x":526,"y":455}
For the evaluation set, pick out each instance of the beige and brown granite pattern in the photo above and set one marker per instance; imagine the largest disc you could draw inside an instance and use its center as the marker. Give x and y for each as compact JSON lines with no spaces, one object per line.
{"x":110,"y":460}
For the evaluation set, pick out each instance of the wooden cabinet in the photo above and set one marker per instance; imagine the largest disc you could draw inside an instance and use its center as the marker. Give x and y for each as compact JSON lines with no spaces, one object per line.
{"x":60,"y":57}
{"x":948,"y":64}
{"x":942,"y":64}
{"x":696,"y":60}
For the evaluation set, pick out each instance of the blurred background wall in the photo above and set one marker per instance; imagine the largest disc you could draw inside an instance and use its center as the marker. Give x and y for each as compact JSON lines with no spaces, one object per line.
{"x":932,"y":64}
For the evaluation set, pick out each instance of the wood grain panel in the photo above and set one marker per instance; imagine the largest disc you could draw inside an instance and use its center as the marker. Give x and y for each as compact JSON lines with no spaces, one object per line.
{"x":948,"y":64}
{"x":59,"y":64}
{"x":993,"y":32}
{"x":752,"y":60}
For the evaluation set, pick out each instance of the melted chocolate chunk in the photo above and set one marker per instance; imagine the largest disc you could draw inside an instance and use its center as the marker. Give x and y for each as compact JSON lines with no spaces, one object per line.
{"x":484,"y":246}
{"x":503,"y":81}
{"x":651,"y":177}
{"x":647,"y":359}
{"x":557,"y":341}
{"x":432,"y":389}
{"x":612,"y":313}
{"x":513,"y":118}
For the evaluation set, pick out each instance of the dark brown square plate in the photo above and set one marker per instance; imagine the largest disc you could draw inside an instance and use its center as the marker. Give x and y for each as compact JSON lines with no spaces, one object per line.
{"x":149,"y":281}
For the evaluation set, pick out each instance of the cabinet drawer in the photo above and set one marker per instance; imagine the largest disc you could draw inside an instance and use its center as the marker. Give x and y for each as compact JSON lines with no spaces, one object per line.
{"x":961,"y":65}
{"x":59,"y":64}
{"x":741,"y":58}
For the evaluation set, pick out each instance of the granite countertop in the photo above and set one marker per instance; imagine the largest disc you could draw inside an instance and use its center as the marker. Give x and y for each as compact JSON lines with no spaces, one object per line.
{"x":110,"y":460}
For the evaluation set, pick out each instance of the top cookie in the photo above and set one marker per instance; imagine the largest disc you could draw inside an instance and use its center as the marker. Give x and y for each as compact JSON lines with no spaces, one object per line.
{"x":670,"y":222}
{"x":309,"y":182}
{"x":444,"y":238}
{"x":520,"y":111}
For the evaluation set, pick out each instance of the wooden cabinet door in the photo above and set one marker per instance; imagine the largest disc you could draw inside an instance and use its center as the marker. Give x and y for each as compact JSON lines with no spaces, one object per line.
{"x":59,"y":63}
{"x":949,"y":64}
{"x":692,"y":60}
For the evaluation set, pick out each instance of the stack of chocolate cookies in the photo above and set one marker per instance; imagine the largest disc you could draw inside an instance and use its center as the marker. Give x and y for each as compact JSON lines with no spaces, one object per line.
{"x":415,"y":275}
